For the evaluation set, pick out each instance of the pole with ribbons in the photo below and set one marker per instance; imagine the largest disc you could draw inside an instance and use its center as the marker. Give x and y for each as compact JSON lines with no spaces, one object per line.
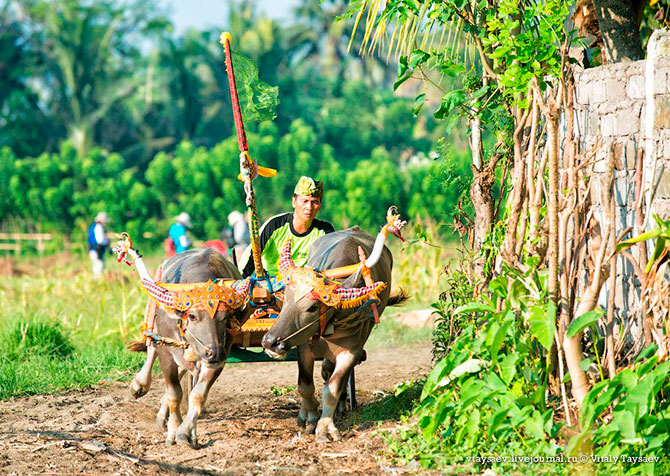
{"x":249,"y":168}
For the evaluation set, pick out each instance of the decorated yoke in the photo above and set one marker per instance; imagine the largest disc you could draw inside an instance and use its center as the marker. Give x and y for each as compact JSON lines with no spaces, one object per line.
{"x":237,"y":294}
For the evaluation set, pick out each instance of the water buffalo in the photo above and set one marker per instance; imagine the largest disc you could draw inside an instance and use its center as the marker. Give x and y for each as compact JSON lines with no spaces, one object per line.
{"x":312,"y":303}
{"x":198,"y":315}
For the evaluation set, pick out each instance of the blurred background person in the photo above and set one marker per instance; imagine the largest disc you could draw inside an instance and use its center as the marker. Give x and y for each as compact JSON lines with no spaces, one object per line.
{"x":237,"y":234}
{"x":98,"y":243}
{"x":178,"y":234}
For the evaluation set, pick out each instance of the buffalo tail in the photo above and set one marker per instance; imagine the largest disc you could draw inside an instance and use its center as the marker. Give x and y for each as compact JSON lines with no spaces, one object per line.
{"x":398,"y":298}
{"x":137,"y":346}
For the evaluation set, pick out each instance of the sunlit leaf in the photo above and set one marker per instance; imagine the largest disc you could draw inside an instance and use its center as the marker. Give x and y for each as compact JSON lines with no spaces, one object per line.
{"x":468,"y":367}
{"x":583,"y":321}
{"x":474,"y":307}
{"x":543,"y":324}
{"x":419,"y":101}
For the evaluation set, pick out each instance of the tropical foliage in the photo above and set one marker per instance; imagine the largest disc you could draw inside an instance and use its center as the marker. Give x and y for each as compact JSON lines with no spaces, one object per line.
{"x":511,"y":320}
{"x":146,"y":132}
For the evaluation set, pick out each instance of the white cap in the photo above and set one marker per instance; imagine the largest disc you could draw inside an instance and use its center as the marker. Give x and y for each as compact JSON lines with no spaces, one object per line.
{"x":102,"y":217}
{"x":234,"y":217}
{"x":183,"y":218}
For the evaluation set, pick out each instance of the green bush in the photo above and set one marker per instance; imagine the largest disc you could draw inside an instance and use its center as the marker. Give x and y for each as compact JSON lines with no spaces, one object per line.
{"x":448,"y":324}
{"x":628,"y":416}
{"x":36,"y":337}
{"x":62,"y":192}
{"x":486,"y":396}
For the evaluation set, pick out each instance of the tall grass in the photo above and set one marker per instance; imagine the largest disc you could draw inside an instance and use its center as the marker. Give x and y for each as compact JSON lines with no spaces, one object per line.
{"x":38,"y":373}
{"x":419,"y":264}
{"x":62,"y":329}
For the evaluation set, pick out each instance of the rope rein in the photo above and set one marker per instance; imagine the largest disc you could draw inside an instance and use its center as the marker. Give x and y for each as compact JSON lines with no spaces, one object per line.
{"x":166,"y":341}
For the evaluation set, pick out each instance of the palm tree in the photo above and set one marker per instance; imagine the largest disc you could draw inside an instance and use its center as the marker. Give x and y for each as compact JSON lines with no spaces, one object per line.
{"x":23,"y":124}
{"x":179,"y":58}
{"x":90,"y":57}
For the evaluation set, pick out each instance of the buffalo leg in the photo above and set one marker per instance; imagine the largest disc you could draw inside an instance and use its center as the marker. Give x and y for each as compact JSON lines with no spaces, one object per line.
{"x":344,"y":362}
{"x":327,"y":368}
{"x":142,"y":381}
{"x":172,"y":397}
{"x":196,"y":401}
{"x":163,"y":410}
{"x":308,"y":415}
{"x":351,"y":388}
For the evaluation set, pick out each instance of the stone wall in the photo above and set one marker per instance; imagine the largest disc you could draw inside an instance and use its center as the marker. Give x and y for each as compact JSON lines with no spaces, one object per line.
{"x":624,"y":109}
{"x":657,"y":121}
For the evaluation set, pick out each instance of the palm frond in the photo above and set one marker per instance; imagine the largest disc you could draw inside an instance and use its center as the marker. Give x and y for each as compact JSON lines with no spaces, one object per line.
{"x":399,"y":31}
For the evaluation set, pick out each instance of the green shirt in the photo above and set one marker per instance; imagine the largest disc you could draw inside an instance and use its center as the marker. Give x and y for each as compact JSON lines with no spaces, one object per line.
{"x":273,"y":236}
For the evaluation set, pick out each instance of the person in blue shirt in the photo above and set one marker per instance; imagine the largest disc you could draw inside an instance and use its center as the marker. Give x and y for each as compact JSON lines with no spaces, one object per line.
{"x":178,"y":232}
{"x":98,"y":243}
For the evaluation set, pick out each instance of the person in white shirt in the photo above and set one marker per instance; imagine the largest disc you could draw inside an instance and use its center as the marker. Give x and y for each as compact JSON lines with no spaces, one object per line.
{"x":98,"y":243}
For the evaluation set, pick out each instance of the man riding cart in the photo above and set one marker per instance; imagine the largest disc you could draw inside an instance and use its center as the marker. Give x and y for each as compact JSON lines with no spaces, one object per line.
{"x":275,"y":262}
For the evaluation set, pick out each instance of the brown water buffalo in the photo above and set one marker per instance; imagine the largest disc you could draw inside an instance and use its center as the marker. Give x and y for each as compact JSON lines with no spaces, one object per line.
{"x":205,"y":330}
{"x":313,"y":303}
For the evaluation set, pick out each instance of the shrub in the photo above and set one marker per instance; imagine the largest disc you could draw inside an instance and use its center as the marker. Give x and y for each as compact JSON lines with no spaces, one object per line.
{"x":486,"y":397}
{"x":448,"y":325}
{"x":628,"y":417}
{"x":31,"y":337}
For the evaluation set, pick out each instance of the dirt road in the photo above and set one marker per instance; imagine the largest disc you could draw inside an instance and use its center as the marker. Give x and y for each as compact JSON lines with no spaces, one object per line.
{"x":247,"y":429}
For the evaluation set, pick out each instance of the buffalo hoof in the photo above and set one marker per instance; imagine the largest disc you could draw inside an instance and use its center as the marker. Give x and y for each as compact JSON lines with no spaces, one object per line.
{"x":325,"y":429}
{"x":137,"y":390}
{"x":161,"y":421}
{"x":188,"y":439}
{"x":308,"y":425}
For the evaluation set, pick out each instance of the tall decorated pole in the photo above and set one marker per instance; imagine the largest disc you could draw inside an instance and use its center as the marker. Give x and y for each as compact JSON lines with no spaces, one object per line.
{"x":249,"y":169}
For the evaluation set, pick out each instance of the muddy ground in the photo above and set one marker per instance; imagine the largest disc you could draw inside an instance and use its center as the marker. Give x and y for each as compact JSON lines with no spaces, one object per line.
{"x":247,"y":429}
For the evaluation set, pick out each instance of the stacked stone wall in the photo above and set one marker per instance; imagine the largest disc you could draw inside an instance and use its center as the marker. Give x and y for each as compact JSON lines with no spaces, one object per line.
{"x":623,"y":110}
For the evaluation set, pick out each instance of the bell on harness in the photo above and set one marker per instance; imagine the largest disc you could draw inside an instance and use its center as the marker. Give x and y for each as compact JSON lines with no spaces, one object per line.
{"x":260,"y":295}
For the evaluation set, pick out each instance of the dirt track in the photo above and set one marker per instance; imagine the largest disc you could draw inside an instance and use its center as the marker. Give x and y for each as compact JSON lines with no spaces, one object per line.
{"x":247,"y":430}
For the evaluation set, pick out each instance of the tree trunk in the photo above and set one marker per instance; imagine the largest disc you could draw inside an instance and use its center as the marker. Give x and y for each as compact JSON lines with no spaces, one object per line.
{"x":620,"y":30}
{"x":518,"y":192}
{"x":480,"y":194}
{"x":482,"y":203}
{"x":81,"y":136}
{"x":572,"y":345}
{"x":534,"y":180}
{"x":552,"y":203}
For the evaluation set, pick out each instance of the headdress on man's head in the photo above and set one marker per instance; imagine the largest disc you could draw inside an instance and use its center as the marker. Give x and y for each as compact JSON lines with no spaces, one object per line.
{"x":309,"y":187}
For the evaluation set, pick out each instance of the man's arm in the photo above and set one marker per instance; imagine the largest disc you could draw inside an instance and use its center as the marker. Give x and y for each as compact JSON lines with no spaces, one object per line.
{"x":184,"y":241}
